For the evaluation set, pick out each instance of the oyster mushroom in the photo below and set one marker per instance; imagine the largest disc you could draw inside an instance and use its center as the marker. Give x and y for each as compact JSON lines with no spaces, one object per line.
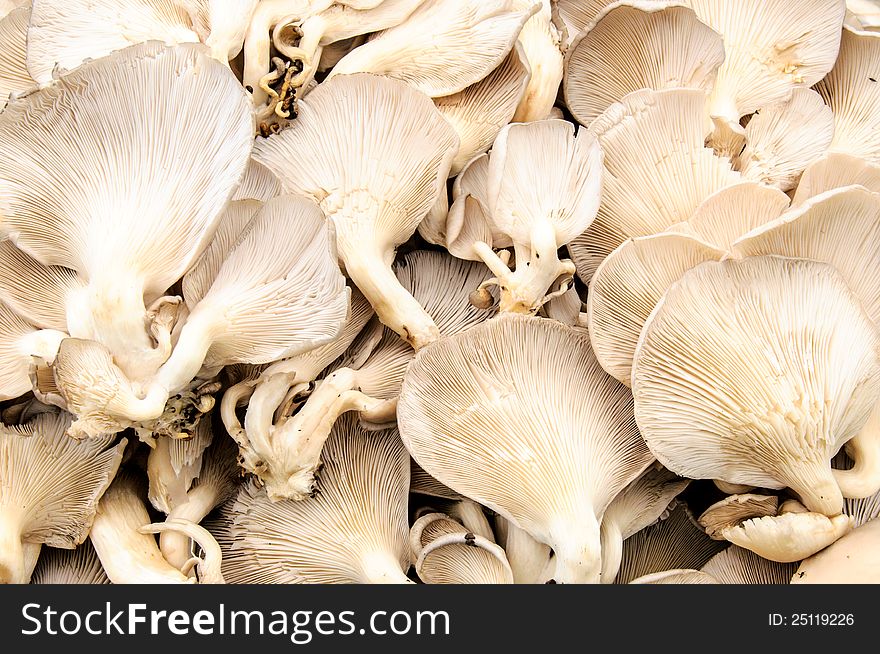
{"x":76,"y":566}
{"x":14,"y":75}
{"x":836,"y":170}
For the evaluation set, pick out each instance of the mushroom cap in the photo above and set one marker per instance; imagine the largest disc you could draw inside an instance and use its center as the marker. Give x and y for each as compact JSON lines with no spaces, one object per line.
{"x":274,"y":296}
{"x":676,"y":542}
{"x":657,"y":170}
{"x":433,"y":49}
{"x":15,"y":360}
{"x":628,"y":285}
{"x":14,"y":76}
{"x":734,"y":211}
{"x":358,"y":513}
{"x":479,"y":111}
{"x":644,"y":501}
{"x":69,"y":32}
{"x":259,"y":183}
{"x":736,"y":565}
{"x":365,"y":132}
{"x":76,"y":566}
{"x":53,"y":481}
{"x":524,"y":401}
{"x":424,"y":484}
{"x":789,"y":537}
{"x":541,"y":43}
{"x":638,"y":45}
{"x":853,"y":96}
{"x":165,"y":201}
{"x":769,"y":51}
{"x":566,"y":164}
{"x":727,"y":387}
{"x":836,"y":170}
{"x":784,"y":137}
{"x":735,"y":509}
{"x":854,"y":559}
{"x":676,"y":577}
{"x":840,"y":227}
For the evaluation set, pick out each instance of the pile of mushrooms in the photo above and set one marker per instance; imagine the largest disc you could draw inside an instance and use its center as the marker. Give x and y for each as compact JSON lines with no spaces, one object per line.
{"x":439,"y":291}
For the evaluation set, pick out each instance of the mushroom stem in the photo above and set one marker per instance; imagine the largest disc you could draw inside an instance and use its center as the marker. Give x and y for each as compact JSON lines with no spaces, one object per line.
{"x":266,"y":398}
{"x":43,"y":344}
{"x":577,"y":545}
{"x":234,"y":397}
{"x":176,"y":545}
{"x":469,"y":540}
{"x":209,"y":566}
{"x":13,"y":567}
{"x":815,"y":484}
{"x":863,"y":479}
{"x":297,"y":444}
{"x":383,"y":568}
{"x":612,"y":550}
{"x":189,"y":354}
{"x":368,"y":267}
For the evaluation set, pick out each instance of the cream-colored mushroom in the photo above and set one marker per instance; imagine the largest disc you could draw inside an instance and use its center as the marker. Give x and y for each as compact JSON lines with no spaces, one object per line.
{"x":531,"y":561}
{"x":567,"y":167}
{"x":353,"y":530}
{"x":76,"y":566}
{"x":853,"y":95}
{"x":448,"y":553}
{"x":129,"y":554}
{"x":480,"y":111}
{"x":435,"y":49}
{"x":657,"y":170}
{"x":49,"y":489}
{"x":576,"y":16}
{"x":866,"y":12}
{"x":784,"y":137}
{"x":674,"y":543}
{"x":14,"y":75}
{"x":736,"y":565}
{"x":735,"y":509}
{"x":768,"y":53}
{"x":259,"y":183}
{"x":19,"y":341}
{"x":541,"y":41}
{"x":465,"y":511}
{"x":836,"y":170}
{"x":173,"y":464}
{"x":532,"y":411}
{"x":66,"y":33}
{"x":676,"y":577}
{"x":727,"y":388}
{"x":377,"y":162}
{"x":286,"y":452}
{"x":638,"y":45}
{"x":422,"y":483}
{"x":628,"y":285}
{"x":854,"y":559}
{"x":221,"y":24}
{"x":639,"y":505}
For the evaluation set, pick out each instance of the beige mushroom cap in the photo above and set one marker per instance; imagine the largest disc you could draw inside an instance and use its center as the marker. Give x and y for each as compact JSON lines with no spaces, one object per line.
{"x":736,"y":565}
{"x":628,"y":285}
{"x":68,"y":32}
{"x":789,"y":537}
{"x":676,"y":577}
{"x":353,"y":530}
{"x":854,"y":559}
{"x":76,"y":566}
{"x":14,"y":76}
{"x":638,"y":45}
{"x":554,"y":440}
{"x":726,"y":388}
{"x":735,"y":509}
{"x":853,"y":96}
{"x":657,"y":170}
{"x":836,"y":170}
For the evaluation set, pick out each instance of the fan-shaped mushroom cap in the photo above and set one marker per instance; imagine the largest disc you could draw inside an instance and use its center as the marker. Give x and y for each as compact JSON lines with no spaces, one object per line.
{"x":733,"y":510}
{"x":129,"y":241}
{"x":434,"y":51}
{"x":769,"y":51}
{"x":854,"y":559}
{"x":285,"y":452}
{"x":676,"y":577}
{"x":464,"y":511}
{"x":638,"y":45}
{"x":49,"y":489}
{"x":541,"y":41}
{"x":77,"y":566}
{"x":784,"y":137}
{"x":736,"y":565}
{"x":639,"y":505}
{"x":68,"y":32}
{"x":657,"y":170}
{"x":554,"y":441}
{"x":567,"y":308}
{"x":259,"y":183}
{"x":577,"y":16}
{"x":530,"y":560}
{"x":734,"y":211}
{"x":865,"y":12}
{"x":674,"y":543}
{"x":567,"y":167}
{"x":424,"y":484}
{"x":836,"y":170}
{"x":628,"y":285}
{"x":480,"y":111}
{"x":14,"y":76}
{"x":727,"y":388}
{"x":362,"y":132}
{"x":353,"y":530}
{"x":853,"y":96}
{"x":447,"y":553}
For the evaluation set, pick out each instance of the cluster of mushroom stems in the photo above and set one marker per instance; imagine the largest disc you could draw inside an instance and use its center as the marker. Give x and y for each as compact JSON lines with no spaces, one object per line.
{"x":439,"y":291}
